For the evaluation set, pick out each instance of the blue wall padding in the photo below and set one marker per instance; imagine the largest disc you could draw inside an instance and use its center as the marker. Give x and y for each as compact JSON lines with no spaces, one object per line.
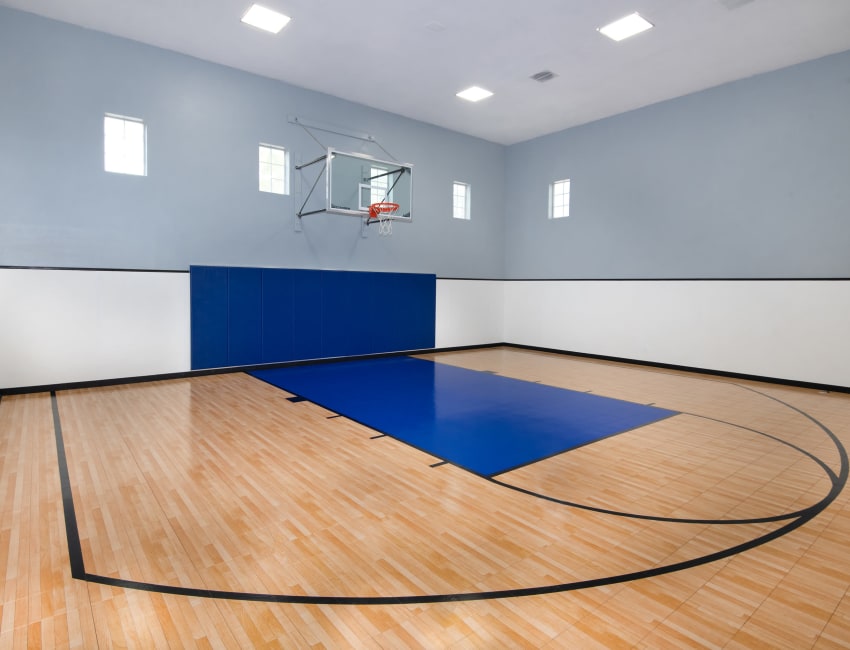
{"x":245,"y":316}
{"x":208,"y":308}
{"x":346,"y":296}
{"x":278,"y":321}
{"x":307,"y":315}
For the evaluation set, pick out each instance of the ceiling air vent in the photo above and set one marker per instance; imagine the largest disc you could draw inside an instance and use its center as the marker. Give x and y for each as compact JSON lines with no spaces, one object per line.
{"x":734,"y":4}
{"x":544,"y":75}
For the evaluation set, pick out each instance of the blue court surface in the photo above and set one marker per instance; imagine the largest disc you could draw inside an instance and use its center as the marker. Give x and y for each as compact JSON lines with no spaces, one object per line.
{"x":485,"y":423}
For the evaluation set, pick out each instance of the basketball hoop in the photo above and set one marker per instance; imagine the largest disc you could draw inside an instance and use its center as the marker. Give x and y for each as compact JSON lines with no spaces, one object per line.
{"x":383,"y":212}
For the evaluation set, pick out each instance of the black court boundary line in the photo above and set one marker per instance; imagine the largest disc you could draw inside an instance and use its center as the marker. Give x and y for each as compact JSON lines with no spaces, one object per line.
{"x":839,"y":481}
{"x":75,"y":550}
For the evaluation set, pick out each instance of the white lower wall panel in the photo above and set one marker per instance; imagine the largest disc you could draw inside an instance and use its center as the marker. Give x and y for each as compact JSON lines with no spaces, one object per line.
{"x":794,"y":330}
{"x":61,"y":326}
{"x":469,"y":312}
{"x":67,"y":326}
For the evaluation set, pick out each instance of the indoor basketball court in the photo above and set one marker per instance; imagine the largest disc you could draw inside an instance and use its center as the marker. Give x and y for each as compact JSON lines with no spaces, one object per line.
{"x":227,"y":504}
{"x":326,"y":352}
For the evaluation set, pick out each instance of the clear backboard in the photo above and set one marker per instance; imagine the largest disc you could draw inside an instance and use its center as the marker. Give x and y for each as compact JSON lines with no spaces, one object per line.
{"x":354,"y":181}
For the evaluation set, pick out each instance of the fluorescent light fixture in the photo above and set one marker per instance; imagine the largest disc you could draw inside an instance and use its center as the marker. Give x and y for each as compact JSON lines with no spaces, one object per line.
{"x":625,"y":27}
{"x":270,"y":21}
{"x":474,"y":94}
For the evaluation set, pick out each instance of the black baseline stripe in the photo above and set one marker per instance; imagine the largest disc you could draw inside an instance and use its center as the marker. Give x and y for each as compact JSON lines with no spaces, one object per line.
{"x":75,"y":550}
{"x":456,"y":597}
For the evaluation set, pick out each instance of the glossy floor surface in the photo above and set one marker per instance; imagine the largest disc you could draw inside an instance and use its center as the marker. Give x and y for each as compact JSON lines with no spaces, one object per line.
{"x":217,"y":512}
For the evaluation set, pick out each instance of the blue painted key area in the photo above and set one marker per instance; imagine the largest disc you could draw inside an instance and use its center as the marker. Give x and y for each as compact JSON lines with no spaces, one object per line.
{"x":487,"y":424}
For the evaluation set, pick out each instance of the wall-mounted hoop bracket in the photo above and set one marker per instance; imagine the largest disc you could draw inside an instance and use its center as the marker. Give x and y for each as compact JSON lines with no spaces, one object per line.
{"x":323,"y":159}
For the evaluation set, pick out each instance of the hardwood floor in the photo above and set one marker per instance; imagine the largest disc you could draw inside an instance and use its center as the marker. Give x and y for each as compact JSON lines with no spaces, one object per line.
{"x":215,"y":512}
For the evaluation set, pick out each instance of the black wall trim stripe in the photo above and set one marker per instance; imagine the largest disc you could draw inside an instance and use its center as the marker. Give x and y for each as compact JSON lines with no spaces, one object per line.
{"x":87,"y":268}
{"x":97,"y":383}
{"x":700,"y":371}
{"x":835,"y":279}
{"x":460,"y":279}
{"x":585,"y":355}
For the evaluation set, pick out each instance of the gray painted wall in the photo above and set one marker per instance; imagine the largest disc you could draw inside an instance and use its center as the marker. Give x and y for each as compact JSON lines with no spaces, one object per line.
{"x":199,"y":203}
{"x":749,"y":179}
{"x":746,"y":180}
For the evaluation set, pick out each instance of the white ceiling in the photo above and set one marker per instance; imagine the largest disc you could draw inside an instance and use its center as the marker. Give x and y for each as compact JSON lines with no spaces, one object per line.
{"x":410,"y":57}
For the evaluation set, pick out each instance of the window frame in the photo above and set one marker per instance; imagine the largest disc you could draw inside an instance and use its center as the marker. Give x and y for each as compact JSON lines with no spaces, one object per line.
{"x":272,"y":166}
{"x":563,"y":207}
{"x":117,"y":152}
{"x":466,"y":208}
{"x":379,"y":183}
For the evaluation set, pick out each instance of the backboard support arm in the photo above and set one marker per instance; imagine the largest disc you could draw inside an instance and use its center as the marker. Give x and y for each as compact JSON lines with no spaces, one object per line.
{"x":301,"y":212}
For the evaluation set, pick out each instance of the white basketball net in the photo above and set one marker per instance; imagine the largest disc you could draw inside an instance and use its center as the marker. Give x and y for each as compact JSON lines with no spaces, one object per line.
{"x":385,"y":223}
{"x":385,"y":220}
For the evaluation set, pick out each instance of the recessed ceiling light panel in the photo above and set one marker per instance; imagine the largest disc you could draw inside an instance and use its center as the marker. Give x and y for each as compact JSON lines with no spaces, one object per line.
{"x":474,"y":94}
{"x":625,"y":27}
{"x":266,"y":19}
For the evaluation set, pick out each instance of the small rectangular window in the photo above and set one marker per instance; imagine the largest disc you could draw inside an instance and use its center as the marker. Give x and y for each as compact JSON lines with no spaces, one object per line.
{"x":124,"y":145}
{"x":379,"y":179}
{"x":460,"y":200}
{"x":274,"y":170}
{"x":559,"y":199}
